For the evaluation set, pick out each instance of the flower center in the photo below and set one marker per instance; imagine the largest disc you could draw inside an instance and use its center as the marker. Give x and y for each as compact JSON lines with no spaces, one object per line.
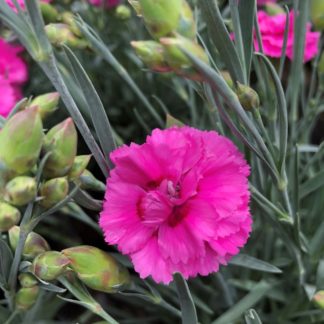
{"x":159,"y":205}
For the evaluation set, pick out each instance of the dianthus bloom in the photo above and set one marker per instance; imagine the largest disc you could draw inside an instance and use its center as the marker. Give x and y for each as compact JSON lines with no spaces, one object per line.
{"x":13,"y":73}
{"x":21,"y":3}
{"x":262,"y":2}
{"x":272,"y":30}
{"x":106,"y":3}
{"x":178,"y":203}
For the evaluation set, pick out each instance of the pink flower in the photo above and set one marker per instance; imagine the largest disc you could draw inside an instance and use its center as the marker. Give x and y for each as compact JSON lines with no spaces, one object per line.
{"x":178,"y":203}
{"x":272,"y":30}
{"x":262,"y":2}
{"x":21,"y":3}
{"x":13,"y":73}
{"x":12,"y":66}
{"x":106,"y":3}
{"x":8,"y":98}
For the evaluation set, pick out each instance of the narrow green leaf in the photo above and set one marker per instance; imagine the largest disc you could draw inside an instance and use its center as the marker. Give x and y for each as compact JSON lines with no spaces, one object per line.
{"x":188,"y":310}
{"x":234,"y":313}
{"x":313,"y":184}
{"x":247,"y":12}
{"x":282,"y":112}
{"x":284,"y":45}
{"x":246,"y":261}
{"x":252,"y":317}
{"x":6,"y":258}
{"x":233,"y":4}
{"x":221,"y":38}
{"x":103,"y":50}
{"x":320,"y":275}
{"x":95,"y":107}
{"x":36,"y":18}
{"x":316,"y":243}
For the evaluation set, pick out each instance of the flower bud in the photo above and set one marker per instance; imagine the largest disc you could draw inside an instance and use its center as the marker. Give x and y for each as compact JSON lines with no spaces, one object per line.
{"x":60,"y":34}
{"x":53,"y":191}
{"x":178,"y":60}
{"x":248,"y":97}
{"x":50,"y":265}
{"x":228,"y":79}
{"x":21,"y":140}
{"x":26,"y":298}
{"x":152,"y":55}
{"x":317,"y":14}
{"x":21,"y":190}
{"x":61,"y":141}
{"x":273,"y":9}
{"x":78,"y":166}
{"x":186,"y":25}
{"x":318,"y":299}
{"x":27,"y":280}
{"x":161,"y":16}
{"x":123,"y":12}
{"x":9,"y":216}
{"x":35,"y":244}
{"x":97,"y":269}
{"x":49,"y":12}
{"x":136,"y":6}
{"x":89,"y":182}
{"x":68,"y":18}
{"x":46,"y":103}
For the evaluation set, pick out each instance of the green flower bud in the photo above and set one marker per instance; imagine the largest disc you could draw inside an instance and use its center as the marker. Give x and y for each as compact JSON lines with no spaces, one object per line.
{"x":79,"y":165}
{"x":175,"y":57}
{"x":35,"y":244}
{"x":53,"y":191}
{"x":228,"y":79}
{"x":21,"y":140}
{"x":136,"y":6}
{"x":97,"y":269}
{"x":61,"y":141}
{"x":123,"y":12}
{"x":317,"y":14}
{"x":9,"y":216}
{"x":318,"y":299}
{"x":60,"y":34}
{"x":161,"y":16}
{"x":68,"y":19}
{"x":49,"y":12}
{"x":21,"y":190}
{"x":273,"y":9}
{"x":152,"y":55}
{"x":27,"y":280}
{"x":248,"y":97}
{"x":50,"y":265}
{"x":46,"y":103}
{"x":186,"y":25}
{"x":26,"y":298}
{"x":89,"y":182}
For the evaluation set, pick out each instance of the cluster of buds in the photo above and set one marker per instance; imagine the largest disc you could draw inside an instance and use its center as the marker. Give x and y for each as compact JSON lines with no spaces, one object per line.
{"x":23,"y":145}
{"x":172,"y":25}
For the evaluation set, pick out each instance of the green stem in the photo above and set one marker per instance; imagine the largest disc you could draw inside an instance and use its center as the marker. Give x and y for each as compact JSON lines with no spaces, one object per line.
{"x":11,"y":317}
{"x":188,"y":309}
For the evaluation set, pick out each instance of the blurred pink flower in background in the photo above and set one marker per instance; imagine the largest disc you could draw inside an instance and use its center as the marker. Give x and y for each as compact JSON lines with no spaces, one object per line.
{"x":262,"y":2}
{"x":13,"y":73}
{"x":272,"y":30}
{"x":106,"y":3}
{"x":21,"y":3}
{"x":178,"y":203}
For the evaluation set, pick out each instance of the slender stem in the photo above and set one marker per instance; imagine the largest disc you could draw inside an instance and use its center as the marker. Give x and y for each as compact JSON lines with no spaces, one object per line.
{"x":11,"y":317}
{"x":188,"y":309}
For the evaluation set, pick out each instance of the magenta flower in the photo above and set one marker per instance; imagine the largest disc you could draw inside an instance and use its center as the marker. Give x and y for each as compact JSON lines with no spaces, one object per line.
{"x":178,"y":203}
{"x":262,"y":2}
{"x":13,"y":73}
{"x":9,"y":96}
{"x":106,"y":3}
{"x":21,"y":3}
{"x":272,"y":30}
